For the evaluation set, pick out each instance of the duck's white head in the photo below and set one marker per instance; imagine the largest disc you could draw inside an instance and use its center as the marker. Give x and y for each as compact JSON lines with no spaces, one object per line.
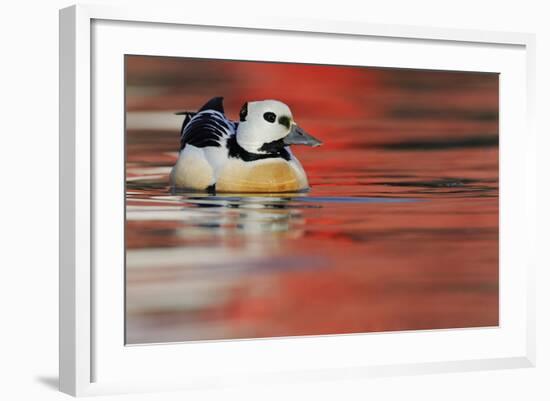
{"x":267,"y":125}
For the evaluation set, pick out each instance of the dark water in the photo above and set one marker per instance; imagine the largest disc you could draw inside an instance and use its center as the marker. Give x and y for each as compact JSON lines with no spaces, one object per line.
{"x":399,"y":230}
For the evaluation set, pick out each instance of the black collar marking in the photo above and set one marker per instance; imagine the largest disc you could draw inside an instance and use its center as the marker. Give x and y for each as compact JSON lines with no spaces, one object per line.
{"x":236,"y":151}
{"x":274,"y":146}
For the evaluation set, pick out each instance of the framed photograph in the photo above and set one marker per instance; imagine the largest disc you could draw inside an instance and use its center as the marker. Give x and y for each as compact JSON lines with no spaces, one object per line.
{"x":275,"y":200}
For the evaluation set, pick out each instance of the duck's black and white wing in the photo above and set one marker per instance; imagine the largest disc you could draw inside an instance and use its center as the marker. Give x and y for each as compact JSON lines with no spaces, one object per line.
{"x":208,"y":127}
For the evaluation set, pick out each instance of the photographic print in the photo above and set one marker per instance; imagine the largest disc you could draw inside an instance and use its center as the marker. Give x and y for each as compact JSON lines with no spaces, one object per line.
{"x":283,"y":199}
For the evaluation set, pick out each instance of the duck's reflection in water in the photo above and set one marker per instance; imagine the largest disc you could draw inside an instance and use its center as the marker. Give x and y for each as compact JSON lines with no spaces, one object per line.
{"x":251,"y":216}
{"x":227,"y":248}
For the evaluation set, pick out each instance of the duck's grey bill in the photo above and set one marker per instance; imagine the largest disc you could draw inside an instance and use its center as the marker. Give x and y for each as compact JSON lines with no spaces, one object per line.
{"x":298,"y":136}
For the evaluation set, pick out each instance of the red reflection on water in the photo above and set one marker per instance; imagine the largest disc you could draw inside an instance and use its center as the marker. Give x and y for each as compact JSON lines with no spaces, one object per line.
{"x":202,"y":269}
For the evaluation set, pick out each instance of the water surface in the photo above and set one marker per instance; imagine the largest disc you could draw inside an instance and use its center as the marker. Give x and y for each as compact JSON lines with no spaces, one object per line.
{"x":398,"y":232}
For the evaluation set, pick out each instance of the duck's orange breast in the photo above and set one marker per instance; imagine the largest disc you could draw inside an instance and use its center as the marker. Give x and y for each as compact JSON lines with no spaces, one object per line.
{"x":261,"y":176}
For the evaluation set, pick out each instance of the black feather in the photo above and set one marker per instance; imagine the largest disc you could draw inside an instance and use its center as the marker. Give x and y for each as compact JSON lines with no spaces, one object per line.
{"x":216,"y":104}
{"x":184,"y":124}
{"x":206,"y":128}
{"x":244,"y":112}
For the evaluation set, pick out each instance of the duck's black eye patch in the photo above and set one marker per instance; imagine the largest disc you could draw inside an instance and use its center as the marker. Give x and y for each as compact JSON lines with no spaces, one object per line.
{"x":270,"y":117}
{"x":284,"y":120}
{"x":244,"y":112}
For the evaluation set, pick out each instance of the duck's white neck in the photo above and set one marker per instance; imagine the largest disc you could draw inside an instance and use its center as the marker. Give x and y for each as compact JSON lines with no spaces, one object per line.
{"x":248,"y":139}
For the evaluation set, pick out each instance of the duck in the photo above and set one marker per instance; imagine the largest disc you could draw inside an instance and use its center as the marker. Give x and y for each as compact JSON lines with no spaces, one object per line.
{"x":251,"y":155}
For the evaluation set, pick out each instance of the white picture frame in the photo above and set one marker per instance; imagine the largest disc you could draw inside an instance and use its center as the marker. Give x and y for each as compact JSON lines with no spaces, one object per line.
{"x":92,"y":356}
